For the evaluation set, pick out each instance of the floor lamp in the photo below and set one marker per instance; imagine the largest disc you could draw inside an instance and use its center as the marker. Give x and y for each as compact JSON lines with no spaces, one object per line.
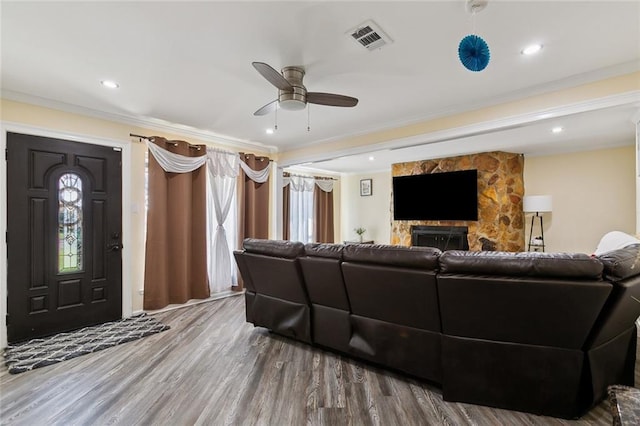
{"x":536,"y":204}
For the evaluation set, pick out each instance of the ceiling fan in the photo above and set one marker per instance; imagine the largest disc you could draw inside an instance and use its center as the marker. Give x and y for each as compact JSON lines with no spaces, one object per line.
{"x":292,"y":95}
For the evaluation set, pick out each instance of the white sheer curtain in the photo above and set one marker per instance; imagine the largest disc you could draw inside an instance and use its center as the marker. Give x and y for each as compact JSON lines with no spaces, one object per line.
{"x":301,"y":209}
{"x":222,"y":173}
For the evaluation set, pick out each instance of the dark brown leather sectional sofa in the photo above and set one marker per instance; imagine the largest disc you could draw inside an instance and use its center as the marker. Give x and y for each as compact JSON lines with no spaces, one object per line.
{"x":537,"y":332}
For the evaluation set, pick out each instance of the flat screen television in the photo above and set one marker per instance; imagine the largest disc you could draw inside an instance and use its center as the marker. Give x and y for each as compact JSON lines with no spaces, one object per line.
{"x":436,"y":196}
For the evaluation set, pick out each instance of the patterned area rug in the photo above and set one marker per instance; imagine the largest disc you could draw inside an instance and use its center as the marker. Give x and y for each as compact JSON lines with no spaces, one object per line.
{"x":38,"y":353}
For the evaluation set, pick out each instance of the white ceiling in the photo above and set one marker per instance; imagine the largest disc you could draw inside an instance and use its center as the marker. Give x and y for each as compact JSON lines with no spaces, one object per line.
{"x":189,"y":64}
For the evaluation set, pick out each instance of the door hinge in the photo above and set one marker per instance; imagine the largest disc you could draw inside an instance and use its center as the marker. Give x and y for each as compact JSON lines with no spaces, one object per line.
{"x":7,"y":319}
{"x":6,"y":154}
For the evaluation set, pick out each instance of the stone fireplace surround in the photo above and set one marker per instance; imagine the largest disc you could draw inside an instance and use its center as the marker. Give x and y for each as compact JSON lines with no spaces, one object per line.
{"x":500,"y":224}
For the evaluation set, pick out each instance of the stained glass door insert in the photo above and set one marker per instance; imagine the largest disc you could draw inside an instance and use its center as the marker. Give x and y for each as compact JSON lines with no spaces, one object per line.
{"x":70,"y":223}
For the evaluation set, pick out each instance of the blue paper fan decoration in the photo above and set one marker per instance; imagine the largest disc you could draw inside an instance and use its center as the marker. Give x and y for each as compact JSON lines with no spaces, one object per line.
{"x":474,"y":53}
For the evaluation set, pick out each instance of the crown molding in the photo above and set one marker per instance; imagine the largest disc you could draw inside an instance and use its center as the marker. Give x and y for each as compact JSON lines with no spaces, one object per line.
{"x":139,"y":121}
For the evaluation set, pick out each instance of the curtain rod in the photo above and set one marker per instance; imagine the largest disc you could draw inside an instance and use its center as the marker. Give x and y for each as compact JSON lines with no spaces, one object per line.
{"x":174,"y":143}
{"x":259,"y":157}
{"x":287,"y":174}
{"x":140,"y":137}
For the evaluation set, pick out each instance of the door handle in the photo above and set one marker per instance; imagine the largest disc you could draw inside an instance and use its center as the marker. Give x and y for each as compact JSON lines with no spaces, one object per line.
{"x":114,"y":247}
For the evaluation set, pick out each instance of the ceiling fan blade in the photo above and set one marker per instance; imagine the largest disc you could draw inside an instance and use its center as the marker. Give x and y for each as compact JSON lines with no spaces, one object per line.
{"x":331,"y":99}
{"x":272,"y":76}
{"x":270,"y":107}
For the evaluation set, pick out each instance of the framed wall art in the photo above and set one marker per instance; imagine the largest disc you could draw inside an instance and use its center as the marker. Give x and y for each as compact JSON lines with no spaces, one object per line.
{"x":366,"y":187}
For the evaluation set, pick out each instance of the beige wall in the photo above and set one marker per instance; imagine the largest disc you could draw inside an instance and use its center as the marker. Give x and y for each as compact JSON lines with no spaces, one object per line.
{"x":371,"y":212}
{"x":593,"y":193}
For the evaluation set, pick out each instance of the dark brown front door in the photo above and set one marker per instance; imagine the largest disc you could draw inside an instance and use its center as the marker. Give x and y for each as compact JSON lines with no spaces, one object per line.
{"x":64,"y":222}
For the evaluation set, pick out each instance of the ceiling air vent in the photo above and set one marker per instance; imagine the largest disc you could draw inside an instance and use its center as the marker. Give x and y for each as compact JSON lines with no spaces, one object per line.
{"x":369,"y":36}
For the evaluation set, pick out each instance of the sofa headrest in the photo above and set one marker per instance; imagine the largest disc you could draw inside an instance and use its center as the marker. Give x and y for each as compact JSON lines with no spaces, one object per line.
{"x":621,"y":263}
{"x":532,"y":264}
{"x":412,"y":257}
{"x":275,"y":248}
{"x":333,"y":251}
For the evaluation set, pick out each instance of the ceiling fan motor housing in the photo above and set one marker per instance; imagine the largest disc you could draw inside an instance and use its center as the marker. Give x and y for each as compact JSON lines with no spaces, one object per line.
{"x":296,"y":99}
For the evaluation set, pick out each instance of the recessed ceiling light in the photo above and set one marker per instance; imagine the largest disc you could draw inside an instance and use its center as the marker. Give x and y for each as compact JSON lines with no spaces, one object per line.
{"x":269,"y":131}
{"x":531,"y":49}
{"x":557,"y":129}
{"x":372,"y":158}
{"x":110,"y":84}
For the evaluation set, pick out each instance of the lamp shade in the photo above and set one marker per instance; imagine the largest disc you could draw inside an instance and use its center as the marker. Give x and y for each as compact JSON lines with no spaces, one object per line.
{"x":537,"y":203}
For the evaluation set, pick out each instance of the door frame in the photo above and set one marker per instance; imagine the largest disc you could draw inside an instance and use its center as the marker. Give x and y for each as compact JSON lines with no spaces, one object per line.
{"x":127,"y":283}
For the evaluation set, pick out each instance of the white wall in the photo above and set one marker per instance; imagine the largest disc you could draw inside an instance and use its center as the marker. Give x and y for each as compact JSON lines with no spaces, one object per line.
{"x":370,"y":212}
{"x":593,"y":193}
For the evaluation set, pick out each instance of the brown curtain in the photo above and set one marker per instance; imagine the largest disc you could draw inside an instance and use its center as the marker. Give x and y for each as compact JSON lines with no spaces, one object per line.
{"x":323,"y":211}
{"x":176,"y":263}
{"x":286,"y":225}
{"x":253,"y":198}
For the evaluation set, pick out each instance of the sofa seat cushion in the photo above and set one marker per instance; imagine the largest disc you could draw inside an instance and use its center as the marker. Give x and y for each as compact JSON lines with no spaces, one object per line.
{"x":531,"y":264}
{"x":408,"y":257}
{"x":328,"y":250}
{"x":275,"y":248}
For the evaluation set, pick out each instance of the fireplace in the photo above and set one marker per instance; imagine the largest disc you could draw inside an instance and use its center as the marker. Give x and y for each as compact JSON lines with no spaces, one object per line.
{"x":442,"y":237}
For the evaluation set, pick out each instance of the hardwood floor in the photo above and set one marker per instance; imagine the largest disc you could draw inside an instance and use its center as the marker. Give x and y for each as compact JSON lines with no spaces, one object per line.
{"x":212,"y":368}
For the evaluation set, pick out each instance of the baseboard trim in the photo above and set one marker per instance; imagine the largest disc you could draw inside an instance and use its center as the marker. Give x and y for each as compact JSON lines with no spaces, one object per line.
{"x":193,"y":302}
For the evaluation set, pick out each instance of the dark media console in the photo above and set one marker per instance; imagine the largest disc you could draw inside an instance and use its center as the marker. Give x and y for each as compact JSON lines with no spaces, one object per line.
{"x":442,"y":237}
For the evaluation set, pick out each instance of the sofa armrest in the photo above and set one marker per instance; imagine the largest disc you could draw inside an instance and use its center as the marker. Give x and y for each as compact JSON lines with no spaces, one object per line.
{"x":622,"y":263}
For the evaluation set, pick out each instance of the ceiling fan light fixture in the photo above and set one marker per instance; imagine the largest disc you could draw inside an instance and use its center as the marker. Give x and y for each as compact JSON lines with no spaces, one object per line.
{"x":292,"y":94}
{"x":292,"y":104}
